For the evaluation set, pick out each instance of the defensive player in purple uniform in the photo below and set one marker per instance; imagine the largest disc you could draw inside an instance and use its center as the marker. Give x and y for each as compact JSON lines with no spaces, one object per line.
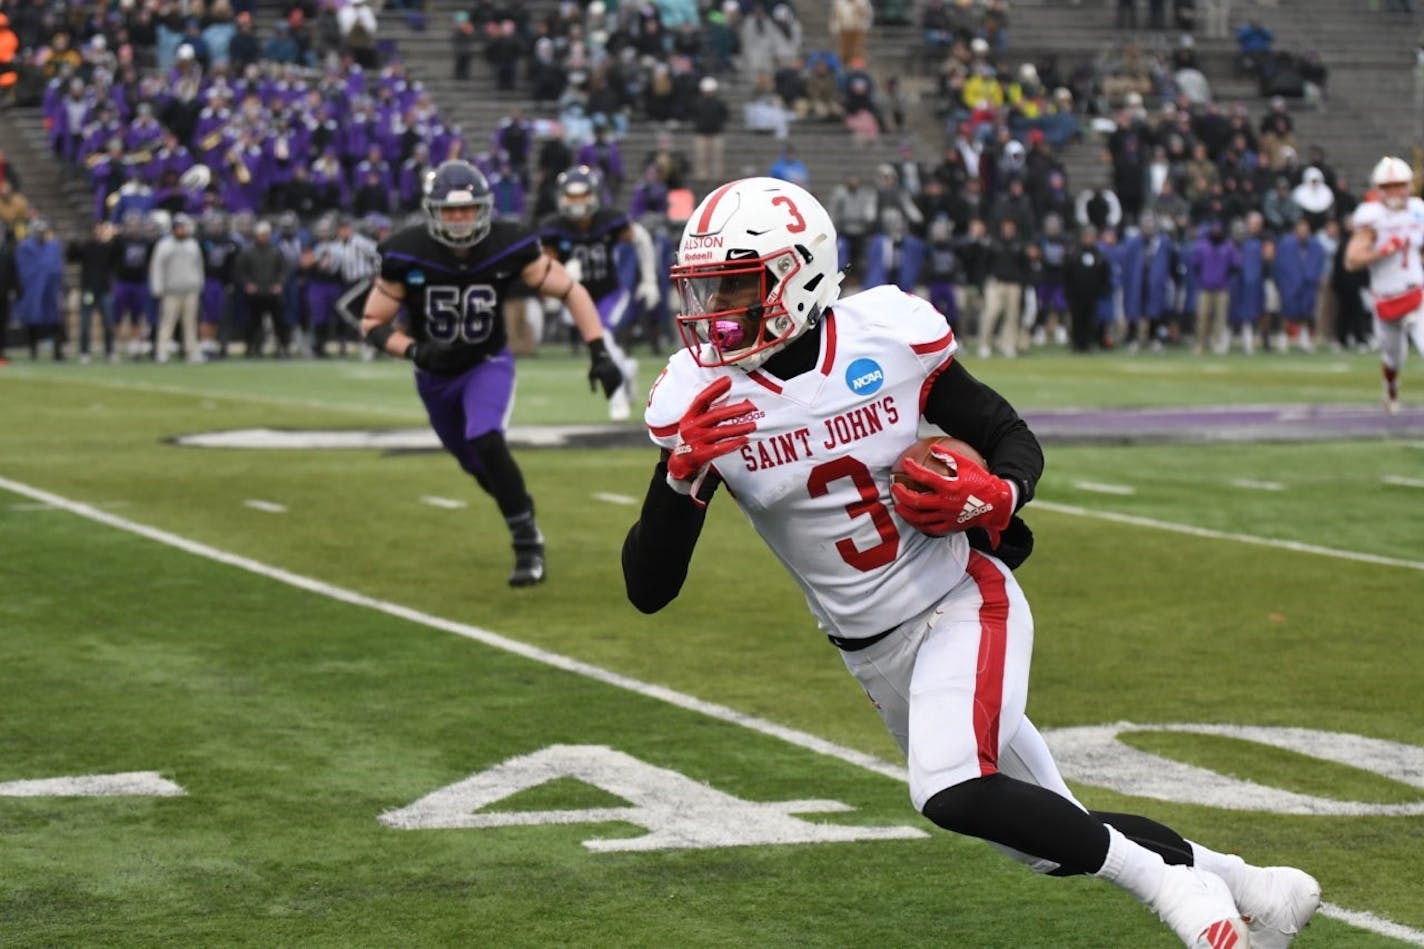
{"x":586,"y":238}
{"x":801,"y":401}
{"x":451,"y":275}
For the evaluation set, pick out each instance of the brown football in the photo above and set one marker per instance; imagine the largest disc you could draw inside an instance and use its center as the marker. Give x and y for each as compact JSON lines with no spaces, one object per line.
{"x":920,"y":452}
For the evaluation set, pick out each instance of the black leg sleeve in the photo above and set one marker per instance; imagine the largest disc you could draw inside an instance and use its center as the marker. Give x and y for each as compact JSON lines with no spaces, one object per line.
{"x":502,"y":479}
{"x":1026,"y":817}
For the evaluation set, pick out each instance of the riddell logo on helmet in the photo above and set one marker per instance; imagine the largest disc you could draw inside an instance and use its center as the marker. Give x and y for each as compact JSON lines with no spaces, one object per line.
{"x":695,"y":241}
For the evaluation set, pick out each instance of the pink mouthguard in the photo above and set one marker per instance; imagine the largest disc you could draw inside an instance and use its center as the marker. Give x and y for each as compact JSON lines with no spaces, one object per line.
{"x":728,"y":334}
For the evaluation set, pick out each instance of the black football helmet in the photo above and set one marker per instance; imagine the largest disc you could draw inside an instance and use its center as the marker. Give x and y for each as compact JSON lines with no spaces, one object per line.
{"x":455,"y":186}
{"x":578,"y":189}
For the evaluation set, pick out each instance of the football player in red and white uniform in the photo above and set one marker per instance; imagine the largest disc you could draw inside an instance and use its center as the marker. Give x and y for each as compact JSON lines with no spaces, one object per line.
{"x":1388,"y":239}
{"x":800,"y":402}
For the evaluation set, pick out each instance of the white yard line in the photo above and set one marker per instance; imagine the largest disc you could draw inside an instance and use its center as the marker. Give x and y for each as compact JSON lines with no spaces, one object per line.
{"x":1252,"y":485}
{"x":1210,"y":534}
{"x":1403,"y":482}
{"x":449,"y":504}
{"x":270,"y":507}
{"x":1099,"y":487}
{"x":609,"y":497}
{"x":555,"y":660}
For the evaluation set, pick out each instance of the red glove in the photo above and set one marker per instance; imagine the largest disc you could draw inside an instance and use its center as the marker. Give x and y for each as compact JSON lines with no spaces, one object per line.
{"x":1394,"y":245}
{"x":971,"y":497}
{"x":706,"y":433}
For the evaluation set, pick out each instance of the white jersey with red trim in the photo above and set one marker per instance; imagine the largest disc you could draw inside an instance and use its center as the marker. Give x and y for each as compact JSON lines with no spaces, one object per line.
{"x":815,"y":478}
{"x":1393,"y":275}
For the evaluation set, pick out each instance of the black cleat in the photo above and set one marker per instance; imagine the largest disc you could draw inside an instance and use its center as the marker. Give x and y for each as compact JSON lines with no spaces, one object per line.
{"x":528,"y":563}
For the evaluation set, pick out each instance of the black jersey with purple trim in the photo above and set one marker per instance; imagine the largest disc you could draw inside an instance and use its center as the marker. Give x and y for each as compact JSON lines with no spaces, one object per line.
{"x":458,"y":299}
{"x":593,"y":247}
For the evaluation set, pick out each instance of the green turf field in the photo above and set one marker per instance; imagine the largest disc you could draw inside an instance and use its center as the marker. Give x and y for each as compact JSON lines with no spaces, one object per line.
{"x":370,"y":740}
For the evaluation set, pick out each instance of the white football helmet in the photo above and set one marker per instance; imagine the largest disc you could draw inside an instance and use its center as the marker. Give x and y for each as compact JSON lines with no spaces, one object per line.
{"x":756,"y":267}
{"x":1393,"y":171}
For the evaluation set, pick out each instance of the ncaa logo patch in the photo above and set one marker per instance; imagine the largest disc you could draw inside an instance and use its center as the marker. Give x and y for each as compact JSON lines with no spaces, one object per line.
{"x":864,"y":377}
{"x":415,"y":278}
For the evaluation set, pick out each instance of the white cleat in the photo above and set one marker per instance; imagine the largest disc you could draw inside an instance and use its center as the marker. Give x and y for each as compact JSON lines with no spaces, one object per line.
{"x":1391,"y":406}
{"x":1277,"y":903}
{"x":1198,"y":907}
{"x":619,"y":408}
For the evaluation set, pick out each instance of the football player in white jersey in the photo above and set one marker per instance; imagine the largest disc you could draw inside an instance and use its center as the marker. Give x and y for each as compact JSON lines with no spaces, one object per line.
{"x":1388,"y":239}
{"x":800,"y":402}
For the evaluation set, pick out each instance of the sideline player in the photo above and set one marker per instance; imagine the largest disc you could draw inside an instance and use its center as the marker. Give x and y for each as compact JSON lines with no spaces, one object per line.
{"x":585,"y":237}
{"x":451,"y":275}
{"x":1388,"y":239}
{"x":800,"y":402}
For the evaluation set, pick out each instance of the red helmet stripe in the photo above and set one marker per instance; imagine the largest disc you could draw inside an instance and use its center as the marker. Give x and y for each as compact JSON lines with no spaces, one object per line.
{"x":704,"y":222}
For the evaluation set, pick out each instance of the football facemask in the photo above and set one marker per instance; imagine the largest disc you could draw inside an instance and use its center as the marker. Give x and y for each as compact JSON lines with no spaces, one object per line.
{"x":732,"y":311}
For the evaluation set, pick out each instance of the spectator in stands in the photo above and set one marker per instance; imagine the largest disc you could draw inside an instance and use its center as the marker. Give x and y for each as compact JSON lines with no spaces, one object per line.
{"x":9,"y":67}
{"x":14,"y":207}
{"x":862,"y":111}
{"x":1253,"y":46}
{"x":1279,"y":207}
{"x":850,"y":21}
{"x":1087,"y":279}
{"x":260,"y":272}
{"x":1213,"y":259}
{"x":1315,"y":75}
{"x":244,"y":48}
{"x":894,"y":255}
{"x":1006,"y":276}
{"x":39,"y":261}
{"x":1277,"y":132}
{"x":823,"y":93}
{"x":708,"y":115}
{"x":1254,"y":253}
{"x":1300,"y":266}
{"x":175,"y":279}
{"x":1217,"y":18}
{"x":95,"y":258}
{"x":1098,"y":208}
{"x":1314,"y":198}
{"x":790,"y":167}
{"x":854,"y":210}
{"x":503,"y":50}
{"x":462,"y":44}
{"x":358,"y":32}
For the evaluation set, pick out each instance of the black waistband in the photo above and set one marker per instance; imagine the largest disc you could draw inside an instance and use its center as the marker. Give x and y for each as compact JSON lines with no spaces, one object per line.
{"x":855,"y":645}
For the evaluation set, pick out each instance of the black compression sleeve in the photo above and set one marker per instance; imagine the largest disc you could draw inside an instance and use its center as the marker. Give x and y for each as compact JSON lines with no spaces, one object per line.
{"x":658,"y":548}
{"x":968,"y":409}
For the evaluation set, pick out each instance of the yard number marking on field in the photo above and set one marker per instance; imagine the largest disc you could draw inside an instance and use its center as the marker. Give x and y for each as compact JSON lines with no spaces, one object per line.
{"x":270,"y":507}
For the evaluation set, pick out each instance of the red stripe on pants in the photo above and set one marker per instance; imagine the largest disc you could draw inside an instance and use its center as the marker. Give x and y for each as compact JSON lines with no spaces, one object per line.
{"x":993,"y":636}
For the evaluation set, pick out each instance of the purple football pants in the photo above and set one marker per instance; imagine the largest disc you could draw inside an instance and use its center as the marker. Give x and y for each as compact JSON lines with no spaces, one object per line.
{"x":464,"y":407}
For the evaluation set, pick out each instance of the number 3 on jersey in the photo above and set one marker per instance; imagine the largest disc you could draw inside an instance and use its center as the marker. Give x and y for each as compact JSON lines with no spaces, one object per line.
{"x":460,"y":314}
{"x":877,"y":555}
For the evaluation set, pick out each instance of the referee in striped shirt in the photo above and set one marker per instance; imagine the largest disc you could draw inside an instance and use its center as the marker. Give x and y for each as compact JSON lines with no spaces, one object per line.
{"x":355,"y":257}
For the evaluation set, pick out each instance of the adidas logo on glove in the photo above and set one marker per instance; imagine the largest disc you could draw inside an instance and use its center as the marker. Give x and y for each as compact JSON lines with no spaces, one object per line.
{"x":973,"y":507}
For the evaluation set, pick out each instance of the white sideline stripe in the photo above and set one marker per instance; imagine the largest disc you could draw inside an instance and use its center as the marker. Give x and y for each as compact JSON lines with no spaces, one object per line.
{"x":449,"y":504}
{"x":271,"y":507}
{"x":35,"y":506}
{"x":1373,"y":923}
{"x":1099,"y":487}
{"x":1403,"y":482}
{"x":1253,"y":485}
{"x":659,"y":693}
{"x":612,"y":498}
{"x":1210,"y":534}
